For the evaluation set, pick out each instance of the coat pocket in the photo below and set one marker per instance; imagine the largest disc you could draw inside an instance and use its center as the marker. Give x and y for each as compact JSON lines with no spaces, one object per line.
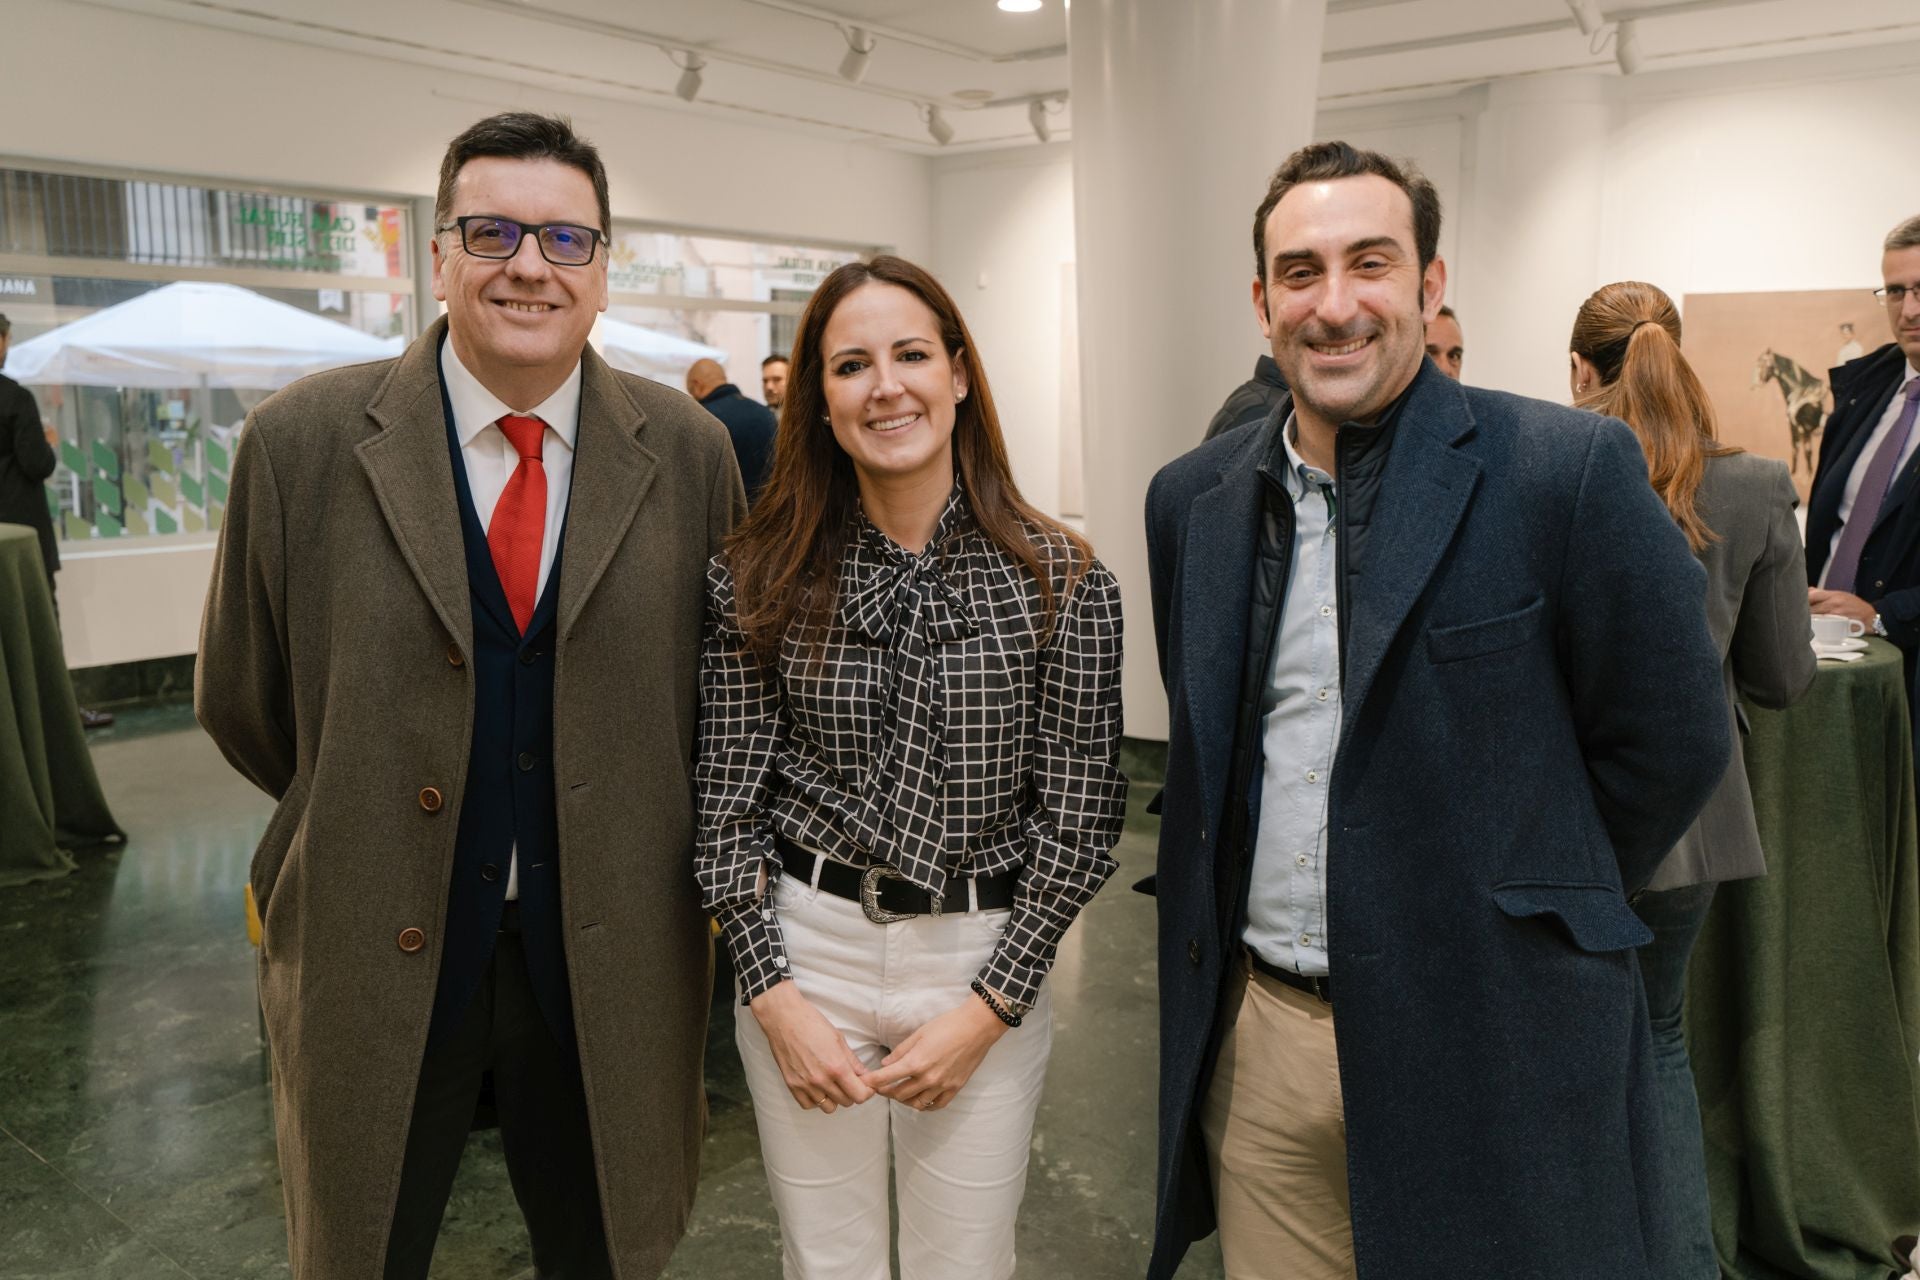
{"x":1594,"y":916}
{"x":275,"y":842}
{"x":1488,"y":635}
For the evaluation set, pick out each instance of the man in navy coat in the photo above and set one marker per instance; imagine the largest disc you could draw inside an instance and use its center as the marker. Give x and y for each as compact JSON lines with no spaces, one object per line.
{"x":1863,"y":522}
{"x":1442,"y":694}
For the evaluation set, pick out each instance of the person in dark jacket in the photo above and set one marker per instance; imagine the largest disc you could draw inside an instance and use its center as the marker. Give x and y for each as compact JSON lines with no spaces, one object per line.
{"x":1863,"y":518}
{"x":1252,"y":400}
{"x":750,"y":423}
{"x":1418,"y":757}
{"x":27,"y":458}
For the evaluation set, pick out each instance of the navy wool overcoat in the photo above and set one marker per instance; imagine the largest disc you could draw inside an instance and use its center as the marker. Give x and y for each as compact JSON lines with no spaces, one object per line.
{"x":1533,"y":716}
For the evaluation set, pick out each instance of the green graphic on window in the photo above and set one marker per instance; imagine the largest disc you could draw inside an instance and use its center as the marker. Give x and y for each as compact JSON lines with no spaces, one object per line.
{"x":105,"y":459}
{"x":164,"y":523}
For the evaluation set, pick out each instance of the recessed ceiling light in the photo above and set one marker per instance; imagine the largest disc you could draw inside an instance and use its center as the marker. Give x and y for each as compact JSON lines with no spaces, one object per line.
{"x":1019,"y":6}
{"x":974,"y":95}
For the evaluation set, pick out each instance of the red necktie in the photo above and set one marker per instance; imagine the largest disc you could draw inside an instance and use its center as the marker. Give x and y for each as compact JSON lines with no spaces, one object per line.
{"x":520,"y":519}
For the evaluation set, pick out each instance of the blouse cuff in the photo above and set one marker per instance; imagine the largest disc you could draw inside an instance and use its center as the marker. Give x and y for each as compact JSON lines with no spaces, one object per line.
{"x":1017,"y":969}
{"x":753,"y":937}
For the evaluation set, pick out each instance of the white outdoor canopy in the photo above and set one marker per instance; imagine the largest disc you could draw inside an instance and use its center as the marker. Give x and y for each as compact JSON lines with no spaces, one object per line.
{"x":651,"y":354}
{"x":193,"y":334}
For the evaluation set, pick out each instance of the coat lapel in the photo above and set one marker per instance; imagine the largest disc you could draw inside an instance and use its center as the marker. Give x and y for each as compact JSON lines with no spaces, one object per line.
{"x":412,"y":479}
{"x":1424,"y":494}
{"x":1223,"y":535}
{"x":611,"y":475}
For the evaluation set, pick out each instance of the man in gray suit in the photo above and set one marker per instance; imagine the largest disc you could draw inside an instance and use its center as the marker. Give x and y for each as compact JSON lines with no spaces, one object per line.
{"x":454,"y":631}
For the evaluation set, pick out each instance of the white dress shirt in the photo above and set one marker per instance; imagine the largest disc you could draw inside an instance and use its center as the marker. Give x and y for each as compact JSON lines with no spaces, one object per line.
{"x":1865,"y":460}
{"x":490,"y":461}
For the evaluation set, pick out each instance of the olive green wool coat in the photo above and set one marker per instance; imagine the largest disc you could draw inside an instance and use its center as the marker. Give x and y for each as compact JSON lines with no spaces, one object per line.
{"x":335,"y":672}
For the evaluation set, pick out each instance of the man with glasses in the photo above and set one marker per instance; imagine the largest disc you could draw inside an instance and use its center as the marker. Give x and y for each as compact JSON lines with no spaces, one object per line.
{"x":454,"y":630}
{"x":1863,"y":519}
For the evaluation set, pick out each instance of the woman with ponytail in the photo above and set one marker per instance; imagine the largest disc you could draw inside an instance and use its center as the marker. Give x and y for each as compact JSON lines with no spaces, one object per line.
{"x":1737,"y":512}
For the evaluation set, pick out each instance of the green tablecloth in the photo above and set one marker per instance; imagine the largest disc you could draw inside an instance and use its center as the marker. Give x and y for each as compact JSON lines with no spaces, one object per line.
{"x":49,"y":794}
{"x":1804,"y":995}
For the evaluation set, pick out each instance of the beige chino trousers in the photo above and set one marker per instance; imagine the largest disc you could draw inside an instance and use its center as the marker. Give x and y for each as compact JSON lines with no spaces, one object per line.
{"x":1277,"y":1138}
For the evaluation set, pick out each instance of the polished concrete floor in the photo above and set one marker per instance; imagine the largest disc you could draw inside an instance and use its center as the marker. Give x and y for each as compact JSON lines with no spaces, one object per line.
{"x":136,"y":1134}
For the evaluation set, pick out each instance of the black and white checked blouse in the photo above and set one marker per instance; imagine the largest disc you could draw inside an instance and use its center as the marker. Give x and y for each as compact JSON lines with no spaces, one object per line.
{"x":928,"y":730}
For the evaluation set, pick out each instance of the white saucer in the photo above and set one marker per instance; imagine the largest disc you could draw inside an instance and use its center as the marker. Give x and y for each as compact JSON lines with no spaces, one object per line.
{"x":1852,"y":644}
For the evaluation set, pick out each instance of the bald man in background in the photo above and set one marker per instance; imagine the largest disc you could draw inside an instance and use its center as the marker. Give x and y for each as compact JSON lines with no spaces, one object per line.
{"x":750,"y":423}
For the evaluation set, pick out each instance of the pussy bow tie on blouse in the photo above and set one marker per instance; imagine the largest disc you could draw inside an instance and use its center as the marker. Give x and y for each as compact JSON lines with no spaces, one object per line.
{"x":905,"y":603}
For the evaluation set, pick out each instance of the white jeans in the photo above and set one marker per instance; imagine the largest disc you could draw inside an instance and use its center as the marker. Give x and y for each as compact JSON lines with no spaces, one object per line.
{"x":959,"y":1172}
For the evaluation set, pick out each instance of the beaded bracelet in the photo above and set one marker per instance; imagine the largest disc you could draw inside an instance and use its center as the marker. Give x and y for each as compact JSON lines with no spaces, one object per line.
{"x":999,"y":1011}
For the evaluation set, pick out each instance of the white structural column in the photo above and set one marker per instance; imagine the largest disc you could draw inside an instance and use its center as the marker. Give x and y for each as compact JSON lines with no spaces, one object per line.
{"x":1532,"y":234}
{"x":1181,"y":111}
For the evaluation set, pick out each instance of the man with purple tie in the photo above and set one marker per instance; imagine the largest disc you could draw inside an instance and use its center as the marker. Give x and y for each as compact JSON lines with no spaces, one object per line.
{"x":1863,"y":518}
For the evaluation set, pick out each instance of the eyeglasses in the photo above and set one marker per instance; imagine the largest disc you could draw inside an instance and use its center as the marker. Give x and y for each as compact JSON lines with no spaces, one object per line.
{"x":561,"y":243}
{"x":1894,"y":295}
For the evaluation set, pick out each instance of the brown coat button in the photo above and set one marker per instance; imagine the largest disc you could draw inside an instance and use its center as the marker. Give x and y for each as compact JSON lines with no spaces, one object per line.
{"x":430,"y":799}
{"x":411,"y":940}
{"x":453,"y":656}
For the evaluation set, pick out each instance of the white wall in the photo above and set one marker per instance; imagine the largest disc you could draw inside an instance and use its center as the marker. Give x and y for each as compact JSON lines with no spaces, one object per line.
{"x":123,"y":91}
{"x":1002,"y":234}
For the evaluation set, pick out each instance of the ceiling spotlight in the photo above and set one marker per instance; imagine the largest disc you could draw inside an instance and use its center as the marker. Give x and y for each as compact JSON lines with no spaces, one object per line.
{"x":937,"y":125}
{"x":689,"y":87}
{"x":860,"y":45}
{"x":1037,"y":118}
{"x":1626,"y":47}
{"x":1019,"y":6}
{"x":1586,"y":16}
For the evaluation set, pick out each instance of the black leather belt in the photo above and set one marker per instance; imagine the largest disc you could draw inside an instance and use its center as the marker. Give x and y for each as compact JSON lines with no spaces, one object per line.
{"x":1320,"y":989}
{"x":885,"y":895}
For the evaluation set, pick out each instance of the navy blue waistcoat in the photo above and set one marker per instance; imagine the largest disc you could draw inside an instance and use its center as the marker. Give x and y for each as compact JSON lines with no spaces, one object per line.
{"x":508,"y":800}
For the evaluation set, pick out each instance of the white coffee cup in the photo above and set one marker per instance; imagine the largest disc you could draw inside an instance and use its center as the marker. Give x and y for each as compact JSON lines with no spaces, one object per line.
{"x":1831,"y":629}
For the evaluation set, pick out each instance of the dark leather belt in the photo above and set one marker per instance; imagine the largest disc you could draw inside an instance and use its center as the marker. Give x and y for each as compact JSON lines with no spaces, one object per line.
{"x":885,"y":895}
{"x":1320,"y":989}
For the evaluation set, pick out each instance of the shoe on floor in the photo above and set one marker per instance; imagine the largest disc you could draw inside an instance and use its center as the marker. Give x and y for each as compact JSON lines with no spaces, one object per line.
{"x":95,"y":719}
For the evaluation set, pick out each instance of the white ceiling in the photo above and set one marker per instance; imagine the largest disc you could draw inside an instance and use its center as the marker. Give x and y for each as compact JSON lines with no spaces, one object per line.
{"x":774,"y":62}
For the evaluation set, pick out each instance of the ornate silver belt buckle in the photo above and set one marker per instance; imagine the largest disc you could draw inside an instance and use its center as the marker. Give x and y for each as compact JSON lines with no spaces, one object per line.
{"x":870,"y":895}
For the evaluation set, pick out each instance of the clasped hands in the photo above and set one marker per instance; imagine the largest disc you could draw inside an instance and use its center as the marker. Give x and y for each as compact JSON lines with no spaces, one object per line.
{"x":926,"y":1070}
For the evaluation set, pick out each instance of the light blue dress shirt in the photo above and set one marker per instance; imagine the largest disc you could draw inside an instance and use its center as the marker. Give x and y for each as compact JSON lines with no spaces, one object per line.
{"x":1300,"y":729}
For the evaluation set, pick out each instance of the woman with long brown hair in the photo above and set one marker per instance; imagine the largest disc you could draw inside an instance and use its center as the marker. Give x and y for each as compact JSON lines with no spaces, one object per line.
{"x":1737,"y":512}
{"x":908,"y":787}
